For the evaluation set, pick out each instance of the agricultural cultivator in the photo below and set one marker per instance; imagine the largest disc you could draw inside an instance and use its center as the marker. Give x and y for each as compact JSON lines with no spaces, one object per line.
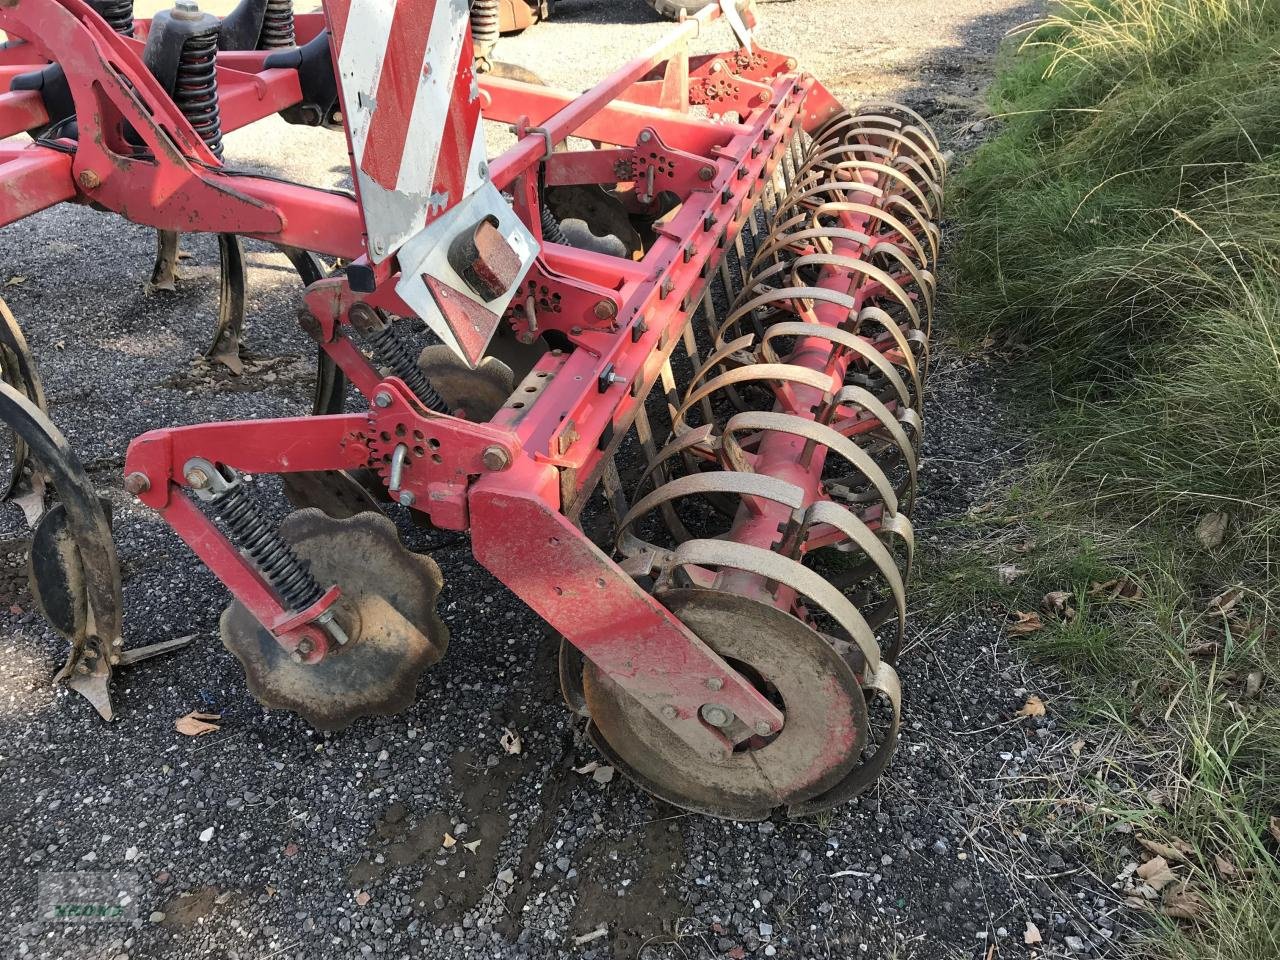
{"x":715,"y":226}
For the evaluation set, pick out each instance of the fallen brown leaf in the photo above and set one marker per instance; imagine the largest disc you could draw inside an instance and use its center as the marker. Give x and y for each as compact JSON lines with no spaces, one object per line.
{"x":1183,"y":904}
{"x":1273,"y":827}
{"x":1178,"y":851}
{"x":1211,"y":530}
{"x":1120,"y":588}
{"x":1031,"y":935}
{"x":1024,"y":623}
{"x":1034,"y":707}
{"x":1226,"y":600}
{"x":1058,"y":602}
{"x":1025,"y":547}
{"x":1206,"y":648}
{"x":1156,"y":873}
{"x":1077,"y":747}
{"x":1224,"y":866}
{"x":196,"y":724}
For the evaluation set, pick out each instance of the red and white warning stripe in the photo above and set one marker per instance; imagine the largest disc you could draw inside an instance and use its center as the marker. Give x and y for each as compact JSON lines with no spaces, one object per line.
{"x":412,"y":109}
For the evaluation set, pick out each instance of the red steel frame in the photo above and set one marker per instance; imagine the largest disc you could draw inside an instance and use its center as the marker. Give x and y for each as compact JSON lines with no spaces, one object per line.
{"x":616,"y":312}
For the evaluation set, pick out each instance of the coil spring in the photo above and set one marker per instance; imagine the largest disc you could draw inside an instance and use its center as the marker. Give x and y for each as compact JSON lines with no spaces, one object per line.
{"x":277,"y":26}
{"x":551,"y":231}
{"x":275,"y":559}
{"x":393,"y":352}
{"x":196,"y":89}
{"x":484,"y":25}
{"x":117,"y":13}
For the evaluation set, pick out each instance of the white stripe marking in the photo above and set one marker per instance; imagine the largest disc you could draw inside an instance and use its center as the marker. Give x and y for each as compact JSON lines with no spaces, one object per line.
{"x":364,"y":46}
{"x":431,"y":102}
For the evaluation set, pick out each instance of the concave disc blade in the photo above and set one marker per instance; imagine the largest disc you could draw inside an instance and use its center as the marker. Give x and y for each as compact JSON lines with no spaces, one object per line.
{"x":824,"y":710}
{"x":387,"y":607}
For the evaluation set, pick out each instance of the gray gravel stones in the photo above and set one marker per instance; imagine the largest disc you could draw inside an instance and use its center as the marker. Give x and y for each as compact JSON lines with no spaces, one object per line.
{"x":267,"y":839}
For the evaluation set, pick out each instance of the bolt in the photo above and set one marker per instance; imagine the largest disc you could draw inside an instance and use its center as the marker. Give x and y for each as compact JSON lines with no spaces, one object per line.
{"x":791,"y":63}
{"x":483,"y":170}
{"x":89,"y":180}
{"x":669,"y":712}
{"x":605,"y":309}
{"x":304,"y":646}
{"x":645,"y":136}
{"x":706,"y":173}
{"x":197,"y":479}
{"x":716,"y":715}
{"x":406,"y":498}
{"x":136,"y":483}
{"x":382,"y":399}
{"x":378,"y":247}
{"x":763,"y":728}
{"x":714,"y":683}
{"x":186,"y":6}
{"x":717,"y":67}
{"x":496,"y":458}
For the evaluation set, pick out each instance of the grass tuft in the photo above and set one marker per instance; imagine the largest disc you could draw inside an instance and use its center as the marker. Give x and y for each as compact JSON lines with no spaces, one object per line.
{"x":1120,"y":246}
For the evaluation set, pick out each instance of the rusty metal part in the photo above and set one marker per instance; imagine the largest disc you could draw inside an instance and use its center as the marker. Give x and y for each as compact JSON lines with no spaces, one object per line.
{"x":18,"y":370}
{"x":600,"y":211}
{"x":823,"y":707}
{"x":228,"y":329}
{"x":475,"y":395}
{"x":387,"y":609}
{"x":91,"y":578}
{"x":799,"y":429}
{"x":337,"y":493}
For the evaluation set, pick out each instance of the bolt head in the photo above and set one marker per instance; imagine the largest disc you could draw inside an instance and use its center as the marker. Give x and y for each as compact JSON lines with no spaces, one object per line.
{"x":406,"y":498}
{"x":136,"y":483}
{"x":304,"y":646}
{"x":89,"y":179}
{"x":714,"y":683}
{"x":716,"y":715}
{"x":645,"y":136}
{"x":791,"y":63}
{"x":763,"y":728}
{"x":197,"y":479}
{"x":605,"y":309}
{"x":382,"y":399}
{"x":706,"y":173}
{"x":669,"y":712}
{"x":496,"y":458}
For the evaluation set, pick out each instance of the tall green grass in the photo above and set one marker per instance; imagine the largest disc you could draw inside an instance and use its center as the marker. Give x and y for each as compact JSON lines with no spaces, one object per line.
{"x":1120,"y":244}
{"x":1124,"y":230}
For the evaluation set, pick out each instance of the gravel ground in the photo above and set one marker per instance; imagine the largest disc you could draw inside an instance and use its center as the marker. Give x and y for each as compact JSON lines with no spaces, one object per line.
{"x":267,"y":839}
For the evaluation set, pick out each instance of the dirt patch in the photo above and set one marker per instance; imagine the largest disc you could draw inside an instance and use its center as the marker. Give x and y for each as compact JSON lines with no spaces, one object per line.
{"x":644,"y":911}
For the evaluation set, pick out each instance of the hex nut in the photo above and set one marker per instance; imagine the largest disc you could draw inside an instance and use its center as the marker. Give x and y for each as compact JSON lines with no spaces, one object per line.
{"x":136,"y":483}
{"x":496,"y":458}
